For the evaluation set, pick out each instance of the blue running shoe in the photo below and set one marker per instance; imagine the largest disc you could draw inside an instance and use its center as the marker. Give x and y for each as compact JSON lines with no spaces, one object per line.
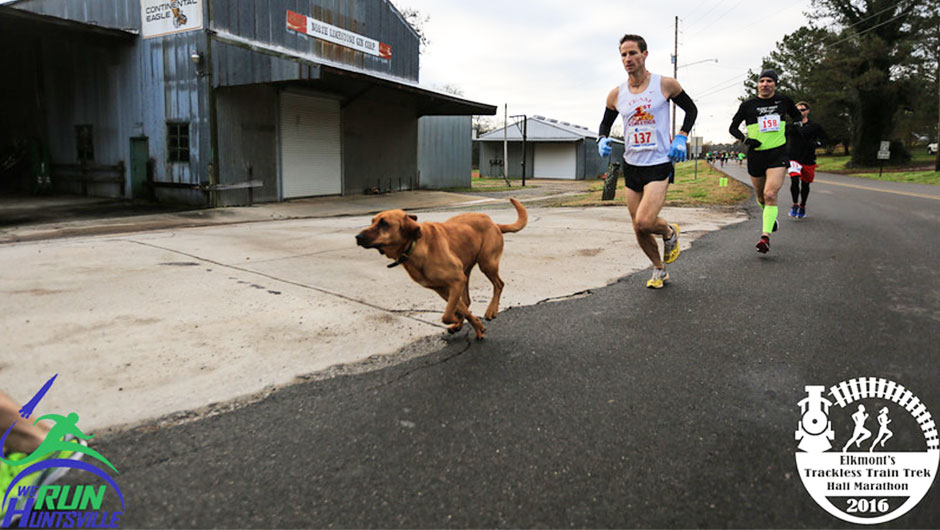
{"x":801,"y":213}
{"x":794,"y":210}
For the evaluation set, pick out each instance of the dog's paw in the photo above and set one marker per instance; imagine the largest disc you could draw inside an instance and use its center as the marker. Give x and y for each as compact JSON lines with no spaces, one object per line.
{"x":454,"y":328}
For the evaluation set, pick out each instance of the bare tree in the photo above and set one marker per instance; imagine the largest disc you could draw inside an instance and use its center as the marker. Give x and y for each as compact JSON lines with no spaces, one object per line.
{"x":451,"y":88}
{"x":483,"y":124}
{"x":417,"y":21}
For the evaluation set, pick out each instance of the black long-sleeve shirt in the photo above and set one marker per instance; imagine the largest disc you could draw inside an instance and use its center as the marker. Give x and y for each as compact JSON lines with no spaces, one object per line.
{"x":802,"y":147}
{"x":765,"y":120}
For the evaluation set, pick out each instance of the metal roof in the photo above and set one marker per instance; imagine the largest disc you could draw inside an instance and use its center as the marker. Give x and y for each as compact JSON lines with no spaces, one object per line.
{"x":434,"y":102}
{"x":10,"y":9}
{"x":542,"y":129}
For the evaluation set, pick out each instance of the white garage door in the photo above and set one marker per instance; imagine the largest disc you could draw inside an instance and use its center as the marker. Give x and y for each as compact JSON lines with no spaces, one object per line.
{"x":555,"y":161}
{"x":310,"y":146}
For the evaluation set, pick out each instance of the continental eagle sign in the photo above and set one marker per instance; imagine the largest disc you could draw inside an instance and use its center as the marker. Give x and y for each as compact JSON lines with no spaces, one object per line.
{"x":165,"y":17}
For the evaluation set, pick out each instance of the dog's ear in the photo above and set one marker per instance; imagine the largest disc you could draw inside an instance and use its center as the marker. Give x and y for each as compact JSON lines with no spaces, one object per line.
{"x":410,"y":227}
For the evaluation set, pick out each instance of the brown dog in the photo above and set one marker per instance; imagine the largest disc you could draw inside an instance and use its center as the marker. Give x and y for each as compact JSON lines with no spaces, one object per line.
{"x":440,"y":256}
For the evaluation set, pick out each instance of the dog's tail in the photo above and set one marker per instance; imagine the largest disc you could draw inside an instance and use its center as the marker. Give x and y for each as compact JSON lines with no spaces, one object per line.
{"x":520,"y":222}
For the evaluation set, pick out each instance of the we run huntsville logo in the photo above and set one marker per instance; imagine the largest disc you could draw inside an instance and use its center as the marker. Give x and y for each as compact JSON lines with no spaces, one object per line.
{"x":31,"y":501}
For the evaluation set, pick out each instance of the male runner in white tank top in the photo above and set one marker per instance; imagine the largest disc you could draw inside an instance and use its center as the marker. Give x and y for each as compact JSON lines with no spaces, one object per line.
{"x":649,"y":155}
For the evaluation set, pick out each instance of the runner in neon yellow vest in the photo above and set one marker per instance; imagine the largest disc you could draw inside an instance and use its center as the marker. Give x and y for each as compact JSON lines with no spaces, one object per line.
{"x":766,"y":139}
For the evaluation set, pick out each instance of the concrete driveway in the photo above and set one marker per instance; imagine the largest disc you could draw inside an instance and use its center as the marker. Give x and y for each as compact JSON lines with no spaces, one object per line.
{"x":183,"y":322}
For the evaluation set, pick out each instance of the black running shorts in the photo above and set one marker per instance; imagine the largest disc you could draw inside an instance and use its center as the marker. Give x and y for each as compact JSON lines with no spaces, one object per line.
{"x":636,"y":177}
{"x":758,"y":162}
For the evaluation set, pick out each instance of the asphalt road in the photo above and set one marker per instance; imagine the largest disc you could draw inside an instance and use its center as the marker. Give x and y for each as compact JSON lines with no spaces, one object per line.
{"x":627,"y":407}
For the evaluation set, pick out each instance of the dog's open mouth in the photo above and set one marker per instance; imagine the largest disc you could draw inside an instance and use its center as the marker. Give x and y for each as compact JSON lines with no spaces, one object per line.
{"x":369,"y":244}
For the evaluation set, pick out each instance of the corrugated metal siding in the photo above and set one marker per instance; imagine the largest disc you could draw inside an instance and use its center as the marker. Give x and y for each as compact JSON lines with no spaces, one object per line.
{"x":124,"y":90}
{"x":173,"y":90}
{"x":380,"y":142}
{"x":248,"y":142}
{"x":115,"y":14}
{"x":589,"y":163}
{"x":444,"y":151}
{"x":81,"y":88}
{"x":73,"y":80}
{"x":579,"y":160}
{"x":137,"y":87}
{"x":594,"y":165}
{"x":266,"y":22}
{"x":233,"y":65}
{"x":491,"y":152}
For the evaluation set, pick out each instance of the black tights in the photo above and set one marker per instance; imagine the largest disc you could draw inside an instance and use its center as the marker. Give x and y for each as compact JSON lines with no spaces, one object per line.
{"x":798,"y":193}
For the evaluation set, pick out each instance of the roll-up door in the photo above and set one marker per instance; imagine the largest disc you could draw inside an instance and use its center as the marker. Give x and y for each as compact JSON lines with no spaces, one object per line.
{"x":310,"y":146}
{"x":555,"y":161}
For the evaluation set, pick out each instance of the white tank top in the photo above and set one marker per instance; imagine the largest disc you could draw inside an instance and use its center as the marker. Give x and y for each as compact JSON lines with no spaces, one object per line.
{"x":645,"y":124}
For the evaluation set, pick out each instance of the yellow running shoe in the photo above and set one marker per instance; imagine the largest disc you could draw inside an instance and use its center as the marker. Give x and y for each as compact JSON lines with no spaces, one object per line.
{"x":671,"y":246}
{"x":7,"y":474}
{"x":659,"y":277}
{"x":53,"y":474}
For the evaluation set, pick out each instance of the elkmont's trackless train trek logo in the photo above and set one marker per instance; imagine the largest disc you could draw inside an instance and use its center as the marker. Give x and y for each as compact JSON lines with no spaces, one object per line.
{"x":889,"y":456}
{"x":32,"y":500}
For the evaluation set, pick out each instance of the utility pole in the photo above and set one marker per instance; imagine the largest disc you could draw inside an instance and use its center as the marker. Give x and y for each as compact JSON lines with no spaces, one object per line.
{"x":675,"y":71}
{"x":506,"y":143}
{"x":525,"y":133}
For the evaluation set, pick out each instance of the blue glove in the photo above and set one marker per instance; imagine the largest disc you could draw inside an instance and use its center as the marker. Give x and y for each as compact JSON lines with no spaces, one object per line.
{"x":677,"y":150}
{"x":604,"y":147}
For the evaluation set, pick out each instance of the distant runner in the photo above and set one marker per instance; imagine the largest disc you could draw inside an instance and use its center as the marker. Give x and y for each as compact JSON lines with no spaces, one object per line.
{"x":643,"y":102}
{"x":766,"y":140}
{"x":803,"y":160}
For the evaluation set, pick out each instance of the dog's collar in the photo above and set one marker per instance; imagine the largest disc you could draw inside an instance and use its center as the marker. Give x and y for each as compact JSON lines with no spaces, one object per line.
{"x":404,"y":257}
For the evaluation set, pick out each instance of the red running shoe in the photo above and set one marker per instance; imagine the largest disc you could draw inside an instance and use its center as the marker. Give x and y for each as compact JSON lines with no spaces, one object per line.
{"x":763,"y":246}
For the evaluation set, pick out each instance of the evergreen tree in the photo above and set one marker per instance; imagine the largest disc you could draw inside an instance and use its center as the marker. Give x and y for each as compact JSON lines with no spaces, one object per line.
{"x":876,"y":45}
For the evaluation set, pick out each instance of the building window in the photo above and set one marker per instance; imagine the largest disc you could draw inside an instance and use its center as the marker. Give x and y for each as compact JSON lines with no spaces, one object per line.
{"x":177,"y":142}
{"x":84,"y":143}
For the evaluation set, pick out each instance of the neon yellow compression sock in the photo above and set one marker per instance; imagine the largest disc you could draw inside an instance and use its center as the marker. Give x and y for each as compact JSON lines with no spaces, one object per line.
{"x":770,"y":217}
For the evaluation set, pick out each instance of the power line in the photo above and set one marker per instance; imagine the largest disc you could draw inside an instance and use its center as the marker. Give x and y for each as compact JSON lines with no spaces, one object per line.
{"x":724,"y":85}
{"x":723,"y":15}
{"x":764,"y":16}
{"x":703,"y":17}
{"x":692,"y":14}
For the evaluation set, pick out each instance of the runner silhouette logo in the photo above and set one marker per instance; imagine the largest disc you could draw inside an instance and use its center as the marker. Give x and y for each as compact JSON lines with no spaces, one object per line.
{"x":868,"y":449}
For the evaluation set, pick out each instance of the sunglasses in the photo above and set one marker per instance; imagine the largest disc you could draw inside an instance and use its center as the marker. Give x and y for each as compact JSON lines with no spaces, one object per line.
{"x":802,"y":109}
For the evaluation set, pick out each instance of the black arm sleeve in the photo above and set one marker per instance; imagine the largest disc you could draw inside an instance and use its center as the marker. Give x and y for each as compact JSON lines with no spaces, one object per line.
{"x":684,"y":102}
{"x":610,"y":116}
{"x":735,"y":122}
{"x":793,"y":111}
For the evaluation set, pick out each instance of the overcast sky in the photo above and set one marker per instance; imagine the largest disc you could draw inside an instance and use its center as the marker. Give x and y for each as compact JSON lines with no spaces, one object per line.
{"x":559,"y":58}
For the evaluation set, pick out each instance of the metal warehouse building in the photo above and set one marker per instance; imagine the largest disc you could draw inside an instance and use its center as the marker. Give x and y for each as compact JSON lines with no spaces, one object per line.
{"x":553,"y":149}
{"x":215,"y":102}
